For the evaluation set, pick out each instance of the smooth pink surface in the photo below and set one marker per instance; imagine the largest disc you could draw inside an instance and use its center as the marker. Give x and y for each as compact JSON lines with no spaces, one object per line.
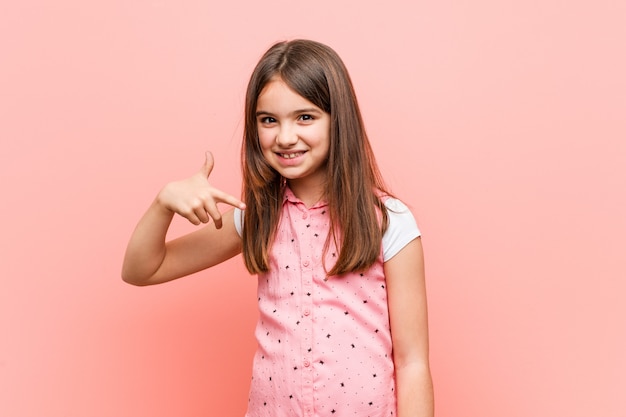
{"x":501,"y":123}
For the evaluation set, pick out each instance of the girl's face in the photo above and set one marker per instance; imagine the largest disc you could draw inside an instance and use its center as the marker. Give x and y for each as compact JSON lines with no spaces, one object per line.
{"x":294,"y":135}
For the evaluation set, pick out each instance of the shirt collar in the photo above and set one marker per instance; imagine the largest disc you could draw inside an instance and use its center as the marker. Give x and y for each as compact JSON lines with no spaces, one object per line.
{"x":288,"y":195}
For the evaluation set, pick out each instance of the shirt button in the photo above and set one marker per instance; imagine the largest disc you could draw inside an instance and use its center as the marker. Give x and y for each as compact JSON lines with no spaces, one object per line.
{"x":307,"y":312}
{"x":305,"y":263}
{"x":305,"y":215}
{"x":307,"y":364}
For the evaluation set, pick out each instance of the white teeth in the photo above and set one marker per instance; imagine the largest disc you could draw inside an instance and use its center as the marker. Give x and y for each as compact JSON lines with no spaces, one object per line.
{"x":291,"y":155}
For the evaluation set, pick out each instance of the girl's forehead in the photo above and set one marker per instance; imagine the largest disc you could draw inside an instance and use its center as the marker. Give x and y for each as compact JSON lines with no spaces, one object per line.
{"x":277,"y":96}
{"x":276,"y":79}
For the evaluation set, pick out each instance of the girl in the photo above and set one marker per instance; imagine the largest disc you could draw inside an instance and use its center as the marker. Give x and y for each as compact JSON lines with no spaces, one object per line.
{"x":343,"y":323}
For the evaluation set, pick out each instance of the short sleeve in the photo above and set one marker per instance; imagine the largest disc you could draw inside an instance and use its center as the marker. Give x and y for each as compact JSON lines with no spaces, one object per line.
{"x":238,"y":219}
{"x":402,"y":228}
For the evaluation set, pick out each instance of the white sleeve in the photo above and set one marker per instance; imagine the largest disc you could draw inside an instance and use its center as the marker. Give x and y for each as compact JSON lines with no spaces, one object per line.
{"x":238,"y":218}
{"x":402,"y":228}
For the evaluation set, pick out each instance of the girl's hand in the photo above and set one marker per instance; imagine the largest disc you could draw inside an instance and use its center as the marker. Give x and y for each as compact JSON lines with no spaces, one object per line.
{"x":195,"y":199}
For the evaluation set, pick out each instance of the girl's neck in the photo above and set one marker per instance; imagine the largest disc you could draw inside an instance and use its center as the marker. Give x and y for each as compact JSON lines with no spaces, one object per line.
{"x":306,"y":191}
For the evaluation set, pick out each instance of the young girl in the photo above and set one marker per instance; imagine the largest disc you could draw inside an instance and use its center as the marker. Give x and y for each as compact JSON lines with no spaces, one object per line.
{"x":343,"y":324}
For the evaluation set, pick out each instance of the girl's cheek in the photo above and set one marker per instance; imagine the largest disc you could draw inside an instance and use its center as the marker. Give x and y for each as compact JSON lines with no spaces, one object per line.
{"x":266,"y":139}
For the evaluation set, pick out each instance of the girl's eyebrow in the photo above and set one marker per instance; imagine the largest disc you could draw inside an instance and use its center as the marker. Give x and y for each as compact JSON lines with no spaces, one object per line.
{"x":293,"y":113}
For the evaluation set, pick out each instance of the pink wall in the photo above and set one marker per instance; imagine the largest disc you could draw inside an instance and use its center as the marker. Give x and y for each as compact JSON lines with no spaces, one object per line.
{"x":501,"y":123}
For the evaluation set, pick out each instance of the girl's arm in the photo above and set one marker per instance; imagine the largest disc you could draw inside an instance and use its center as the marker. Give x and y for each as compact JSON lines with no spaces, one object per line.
{"x":150,"y":260}
{"x":409,"y":331}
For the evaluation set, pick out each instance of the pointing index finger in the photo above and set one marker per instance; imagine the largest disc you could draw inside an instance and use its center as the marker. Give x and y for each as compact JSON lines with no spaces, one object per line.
{"x":225,"y":198}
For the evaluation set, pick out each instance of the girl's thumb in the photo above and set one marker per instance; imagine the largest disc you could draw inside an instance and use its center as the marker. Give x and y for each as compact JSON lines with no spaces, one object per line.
{"x":208,"y":164}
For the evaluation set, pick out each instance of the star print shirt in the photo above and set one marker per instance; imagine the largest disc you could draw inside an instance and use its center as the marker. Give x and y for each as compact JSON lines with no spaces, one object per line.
{"x":324,"y":346}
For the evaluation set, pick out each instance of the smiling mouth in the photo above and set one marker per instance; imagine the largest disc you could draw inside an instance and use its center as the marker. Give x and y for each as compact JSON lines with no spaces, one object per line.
{"x":291,"y":155}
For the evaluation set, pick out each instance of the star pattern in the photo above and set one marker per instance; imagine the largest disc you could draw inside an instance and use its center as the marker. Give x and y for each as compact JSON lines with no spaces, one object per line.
{"x":324,"y":344}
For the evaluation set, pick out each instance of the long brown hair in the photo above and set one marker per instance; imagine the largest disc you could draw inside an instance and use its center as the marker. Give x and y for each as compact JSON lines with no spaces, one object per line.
{"x":353,"y":185}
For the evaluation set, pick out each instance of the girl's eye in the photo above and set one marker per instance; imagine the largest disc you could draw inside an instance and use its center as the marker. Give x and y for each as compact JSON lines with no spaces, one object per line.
{"x":306,"y":117}
{"x":267,"y":120}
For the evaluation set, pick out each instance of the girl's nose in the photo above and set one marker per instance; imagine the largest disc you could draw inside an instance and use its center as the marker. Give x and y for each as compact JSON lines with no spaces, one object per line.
{"x":286,"y":137}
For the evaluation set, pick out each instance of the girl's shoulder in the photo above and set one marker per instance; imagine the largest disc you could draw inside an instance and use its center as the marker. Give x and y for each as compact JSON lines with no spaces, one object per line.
{"x":393,"y":203}
{"x":401,"y":229}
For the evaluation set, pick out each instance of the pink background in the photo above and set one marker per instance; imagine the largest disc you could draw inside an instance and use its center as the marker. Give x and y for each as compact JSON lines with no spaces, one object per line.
{"x":501,"y":123}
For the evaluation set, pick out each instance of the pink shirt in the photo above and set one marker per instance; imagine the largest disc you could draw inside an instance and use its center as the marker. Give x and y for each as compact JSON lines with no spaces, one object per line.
{"x":324,"y":345}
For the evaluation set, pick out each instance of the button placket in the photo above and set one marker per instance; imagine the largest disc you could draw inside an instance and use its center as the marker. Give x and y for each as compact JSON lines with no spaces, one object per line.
{"x":307,"y":311}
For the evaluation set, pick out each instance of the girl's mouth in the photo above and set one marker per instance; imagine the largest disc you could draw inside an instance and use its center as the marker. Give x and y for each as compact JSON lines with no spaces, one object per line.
{"x":291,"y":155}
